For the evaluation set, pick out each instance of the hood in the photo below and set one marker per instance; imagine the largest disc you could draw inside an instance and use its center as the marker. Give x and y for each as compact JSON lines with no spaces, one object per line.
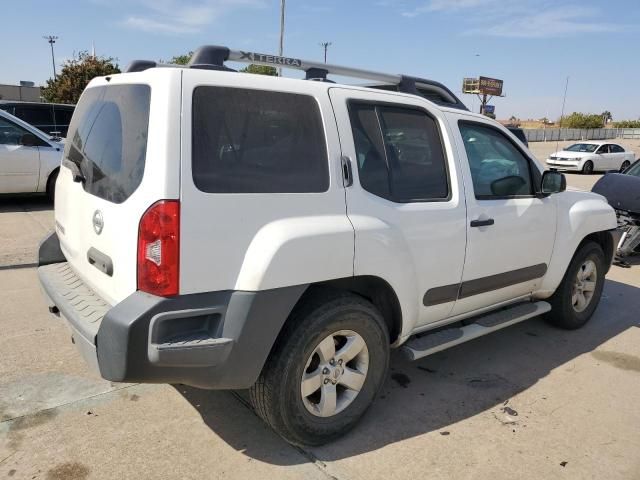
{"x":621,"y":191}
{"x":566,"y":154}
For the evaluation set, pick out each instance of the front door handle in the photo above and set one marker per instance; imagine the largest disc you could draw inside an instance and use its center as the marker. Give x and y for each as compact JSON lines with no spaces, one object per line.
{"x":482,"y":223}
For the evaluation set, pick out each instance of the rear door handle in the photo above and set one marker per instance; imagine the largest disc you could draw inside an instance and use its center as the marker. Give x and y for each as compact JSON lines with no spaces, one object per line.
{"x":482,"y":223}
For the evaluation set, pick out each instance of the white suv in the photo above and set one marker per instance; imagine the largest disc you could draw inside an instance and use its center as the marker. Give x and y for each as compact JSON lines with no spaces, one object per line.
{"x":228,"y":230}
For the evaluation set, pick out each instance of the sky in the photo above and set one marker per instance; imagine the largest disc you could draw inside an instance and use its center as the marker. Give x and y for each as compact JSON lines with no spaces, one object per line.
{"x":533,"y":45}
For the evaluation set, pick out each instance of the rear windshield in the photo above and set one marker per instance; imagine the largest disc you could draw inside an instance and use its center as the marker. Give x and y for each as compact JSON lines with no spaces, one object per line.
{"x":107,"y":139}
{"x":254,"y":141}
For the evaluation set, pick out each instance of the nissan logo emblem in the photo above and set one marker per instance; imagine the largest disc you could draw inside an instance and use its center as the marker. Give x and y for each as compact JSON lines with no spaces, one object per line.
{"x":98,"y":222}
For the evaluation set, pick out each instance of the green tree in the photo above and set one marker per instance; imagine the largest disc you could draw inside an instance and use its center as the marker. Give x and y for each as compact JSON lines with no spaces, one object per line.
{"x":606,"y":116}
{"x":179,"y":59}
{"x":581,"y":120}
{"x":627,"y":124}
{"x":260,"y":70}
{"x":75,"y":75}
{"x":252,"y":68}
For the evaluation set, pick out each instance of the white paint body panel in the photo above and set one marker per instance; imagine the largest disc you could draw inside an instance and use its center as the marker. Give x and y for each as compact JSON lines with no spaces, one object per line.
{"x":522,"y":236}
{"x":27,"y":169}
{"x":75,"y":207}
{"x":579,"y":214}
{"x":259,"y":241}
{"x":413,"y":246}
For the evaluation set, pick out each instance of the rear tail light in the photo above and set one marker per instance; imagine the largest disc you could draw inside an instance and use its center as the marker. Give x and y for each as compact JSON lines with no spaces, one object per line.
{"x":159,"y":249}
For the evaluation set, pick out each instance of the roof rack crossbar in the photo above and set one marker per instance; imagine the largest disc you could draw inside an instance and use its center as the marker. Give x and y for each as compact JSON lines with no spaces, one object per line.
{"x":305,"y":65}
{"x":213,"y":57}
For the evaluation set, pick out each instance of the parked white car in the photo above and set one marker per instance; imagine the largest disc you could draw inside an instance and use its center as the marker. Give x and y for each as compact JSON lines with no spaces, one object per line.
{"x":592,"y":156}
{"x":29,"y":158}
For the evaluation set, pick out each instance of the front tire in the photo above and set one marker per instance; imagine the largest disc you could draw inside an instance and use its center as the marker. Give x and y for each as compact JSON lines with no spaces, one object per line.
{"x":587,"y":168}
{"x":325,"y":370}
{"x":577,"y":297}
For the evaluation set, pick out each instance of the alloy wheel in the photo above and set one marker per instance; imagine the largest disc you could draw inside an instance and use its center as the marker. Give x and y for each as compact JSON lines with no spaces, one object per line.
{"x":334,"y":373}
{"x":584,"y":286}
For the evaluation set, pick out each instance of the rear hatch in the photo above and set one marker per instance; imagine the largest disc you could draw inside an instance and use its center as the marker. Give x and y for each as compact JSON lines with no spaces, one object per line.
{"x":119,"y":158}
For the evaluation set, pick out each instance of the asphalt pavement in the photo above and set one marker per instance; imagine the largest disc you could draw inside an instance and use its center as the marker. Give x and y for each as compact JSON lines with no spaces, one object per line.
{"x":530,"y":401}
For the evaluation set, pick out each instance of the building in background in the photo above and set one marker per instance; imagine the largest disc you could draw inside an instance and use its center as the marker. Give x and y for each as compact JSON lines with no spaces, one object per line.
{"x":25,"y":92}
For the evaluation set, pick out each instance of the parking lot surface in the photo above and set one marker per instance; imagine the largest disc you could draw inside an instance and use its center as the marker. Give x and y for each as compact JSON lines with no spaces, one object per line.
{"x":529,"y":401}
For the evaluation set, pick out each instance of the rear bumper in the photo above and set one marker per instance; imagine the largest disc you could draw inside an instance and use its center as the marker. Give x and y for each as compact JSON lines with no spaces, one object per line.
{"x":215,"y":340}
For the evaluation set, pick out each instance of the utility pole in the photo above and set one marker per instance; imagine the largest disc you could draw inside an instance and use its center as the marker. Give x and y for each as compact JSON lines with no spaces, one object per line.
{"x":281,"y":51}
{"x":326,"y":46}
{"x":52,"y":39}
{"x":564,"y":99}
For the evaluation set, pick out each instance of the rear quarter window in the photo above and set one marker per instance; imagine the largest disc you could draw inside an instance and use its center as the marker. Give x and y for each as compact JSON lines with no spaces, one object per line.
{"x":256,"y":141}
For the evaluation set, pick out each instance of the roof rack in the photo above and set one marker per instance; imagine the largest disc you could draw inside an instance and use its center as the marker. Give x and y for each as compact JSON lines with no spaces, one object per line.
{"x":212,"y":57}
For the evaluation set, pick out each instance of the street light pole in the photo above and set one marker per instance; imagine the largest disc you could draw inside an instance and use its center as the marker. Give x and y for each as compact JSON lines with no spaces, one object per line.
{"x":281,"y":51}
{"x":564,"y":100}
{"x":326,"y":46}
{"x":52,"y":39}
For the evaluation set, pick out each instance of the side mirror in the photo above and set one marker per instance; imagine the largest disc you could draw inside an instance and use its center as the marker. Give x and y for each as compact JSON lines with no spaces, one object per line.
{"x":553,"y":182}
{"x":28,"y":140}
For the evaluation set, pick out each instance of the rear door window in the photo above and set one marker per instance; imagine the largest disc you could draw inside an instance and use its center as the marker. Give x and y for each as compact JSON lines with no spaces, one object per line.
{"x":616,"y":149}
{"x":107,"y":139}
{"x":400,"y":153}
{"x":255,"y":141}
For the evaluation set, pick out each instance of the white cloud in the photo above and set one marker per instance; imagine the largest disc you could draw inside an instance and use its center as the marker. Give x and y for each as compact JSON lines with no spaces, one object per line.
{"x":560,"y":22}
{"x":447,"y":6}
{"x":180,"y":17}
{"x":518,"y":18}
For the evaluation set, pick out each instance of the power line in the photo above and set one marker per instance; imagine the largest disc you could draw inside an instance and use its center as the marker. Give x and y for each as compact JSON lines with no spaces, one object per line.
{"x":52,"y":39}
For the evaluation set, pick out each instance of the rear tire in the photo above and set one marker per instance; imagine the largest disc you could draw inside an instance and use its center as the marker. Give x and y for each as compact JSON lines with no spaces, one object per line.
{"x":51,"y":186}
{"x":624,"y":165}
{"x":587,"y":168}
{"x":303,"y":396}
{"x":578,"y":295}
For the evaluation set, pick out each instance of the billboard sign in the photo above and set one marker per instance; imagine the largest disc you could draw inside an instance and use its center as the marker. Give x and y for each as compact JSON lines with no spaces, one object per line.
{"x":489,"y":109}
{"x":490,"y":86}
{"x":470,"y":85}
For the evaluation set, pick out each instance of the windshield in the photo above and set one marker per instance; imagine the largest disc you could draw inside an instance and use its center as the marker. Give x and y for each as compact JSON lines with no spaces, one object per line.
{"x":582,"y":147}
{"x":107,"y":139}
{"x":634,"y":169}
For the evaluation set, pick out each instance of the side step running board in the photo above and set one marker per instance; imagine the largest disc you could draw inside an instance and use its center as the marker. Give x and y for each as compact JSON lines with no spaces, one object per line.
{"x":429,"y":343}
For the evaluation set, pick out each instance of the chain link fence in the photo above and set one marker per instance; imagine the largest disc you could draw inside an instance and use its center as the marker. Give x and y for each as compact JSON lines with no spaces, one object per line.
{"x":562,"y":134}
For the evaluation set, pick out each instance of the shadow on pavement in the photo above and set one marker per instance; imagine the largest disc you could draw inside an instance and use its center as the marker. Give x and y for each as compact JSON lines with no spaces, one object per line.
{"x":24,"y":203}
{"x":441,"y":390}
